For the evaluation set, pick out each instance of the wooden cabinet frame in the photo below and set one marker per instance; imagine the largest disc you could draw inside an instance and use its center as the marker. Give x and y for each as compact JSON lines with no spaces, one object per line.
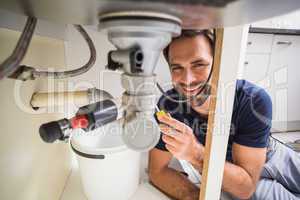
{"x":229,"y":56}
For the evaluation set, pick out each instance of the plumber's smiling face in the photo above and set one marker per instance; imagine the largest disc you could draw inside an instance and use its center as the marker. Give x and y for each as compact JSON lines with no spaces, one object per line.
{"x":190,"y":60}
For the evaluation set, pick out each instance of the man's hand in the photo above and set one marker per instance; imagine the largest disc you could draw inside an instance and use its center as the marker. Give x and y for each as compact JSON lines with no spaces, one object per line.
{"x":181,"y":142}
{"x":170,"y":181}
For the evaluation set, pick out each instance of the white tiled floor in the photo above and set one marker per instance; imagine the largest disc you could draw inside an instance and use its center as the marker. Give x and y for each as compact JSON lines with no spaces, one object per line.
{"x":287,"y":136}
{"x":73,"y":190}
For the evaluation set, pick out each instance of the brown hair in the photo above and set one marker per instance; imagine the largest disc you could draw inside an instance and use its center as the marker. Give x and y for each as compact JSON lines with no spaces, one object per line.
{"x":186,"y":33}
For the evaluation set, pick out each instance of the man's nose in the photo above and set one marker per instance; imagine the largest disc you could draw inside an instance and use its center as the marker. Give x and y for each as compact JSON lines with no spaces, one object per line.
{"x":189,"y":77}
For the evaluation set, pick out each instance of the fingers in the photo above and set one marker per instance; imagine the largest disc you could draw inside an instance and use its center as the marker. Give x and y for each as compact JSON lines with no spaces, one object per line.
{"x":171,"y":141}
{"x":172,"y":132}
{"x":170,"y":148}
{"x":175,"y":124}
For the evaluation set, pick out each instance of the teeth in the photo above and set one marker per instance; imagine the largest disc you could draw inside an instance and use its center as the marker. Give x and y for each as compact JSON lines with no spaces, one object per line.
{"x":191,"y":89}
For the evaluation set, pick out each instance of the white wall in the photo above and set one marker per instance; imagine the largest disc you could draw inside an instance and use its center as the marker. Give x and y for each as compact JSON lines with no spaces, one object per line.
{"x":29,"y":168}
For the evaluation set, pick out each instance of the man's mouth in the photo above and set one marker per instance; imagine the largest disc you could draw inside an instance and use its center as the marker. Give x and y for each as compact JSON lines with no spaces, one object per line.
{"x":191,"y":89}
{"x":191,"y":93}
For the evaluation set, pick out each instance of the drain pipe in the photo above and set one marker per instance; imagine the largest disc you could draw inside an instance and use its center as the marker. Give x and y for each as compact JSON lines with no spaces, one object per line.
{"x":79,"y":98}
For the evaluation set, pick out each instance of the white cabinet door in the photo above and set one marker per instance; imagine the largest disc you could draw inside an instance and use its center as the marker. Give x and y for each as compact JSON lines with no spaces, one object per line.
{"x":259,"y":43}
{"x":285,"y":77}
{"x":256,"y":68}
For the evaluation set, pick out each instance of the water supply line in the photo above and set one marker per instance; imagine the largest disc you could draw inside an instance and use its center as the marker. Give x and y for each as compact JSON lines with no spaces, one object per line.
{"x":12,"y":63}
{"x":25,"y":72}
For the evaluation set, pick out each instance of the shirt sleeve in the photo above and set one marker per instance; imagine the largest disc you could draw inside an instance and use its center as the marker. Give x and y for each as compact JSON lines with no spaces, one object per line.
{"x":254,"y":120}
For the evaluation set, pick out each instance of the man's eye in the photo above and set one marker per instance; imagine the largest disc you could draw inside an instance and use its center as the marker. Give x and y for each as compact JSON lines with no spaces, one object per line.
{"x":200,"y":65}
{"x":176,"y":68}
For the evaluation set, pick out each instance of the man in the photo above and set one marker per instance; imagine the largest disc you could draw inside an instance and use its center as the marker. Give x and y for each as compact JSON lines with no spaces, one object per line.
{"x":257,"y":167}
